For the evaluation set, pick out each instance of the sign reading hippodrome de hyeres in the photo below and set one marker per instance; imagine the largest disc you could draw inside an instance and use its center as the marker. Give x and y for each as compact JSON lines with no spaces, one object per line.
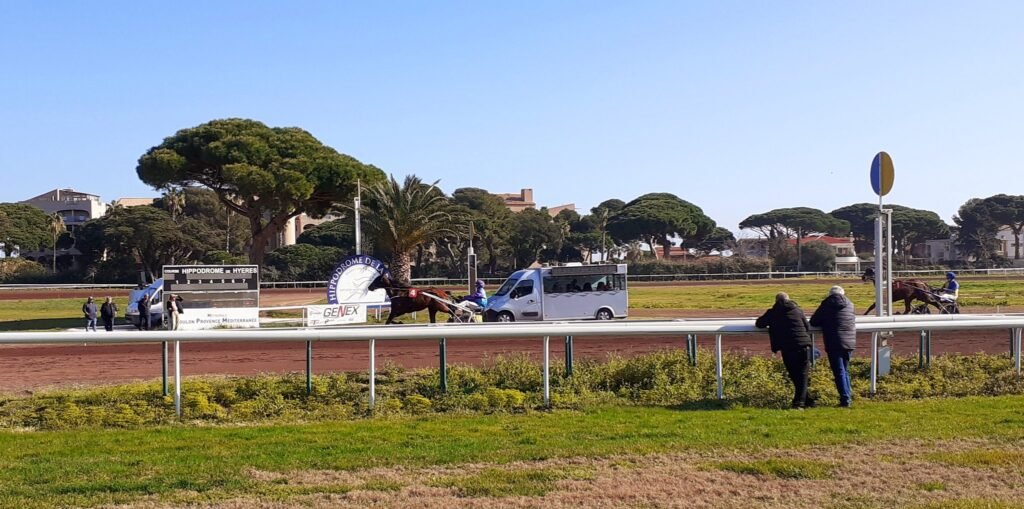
{"x":215,"y":296}
{"x":351,"y":278}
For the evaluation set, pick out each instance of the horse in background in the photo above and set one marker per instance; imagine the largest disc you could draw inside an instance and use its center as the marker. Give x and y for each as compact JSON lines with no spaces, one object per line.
{"x":906,"y":290}
{"x":406,"y":299}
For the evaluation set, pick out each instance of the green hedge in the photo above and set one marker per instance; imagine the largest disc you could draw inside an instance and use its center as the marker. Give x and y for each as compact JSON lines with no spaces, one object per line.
{"x":508,"y":384}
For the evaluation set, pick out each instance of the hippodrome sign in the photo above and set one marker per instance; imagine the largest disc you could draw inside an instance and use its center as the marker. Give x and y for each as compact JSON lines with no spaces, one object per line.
{"x":882,"y":174}
{"x":351,"y":278}
{"x":215,"y":295}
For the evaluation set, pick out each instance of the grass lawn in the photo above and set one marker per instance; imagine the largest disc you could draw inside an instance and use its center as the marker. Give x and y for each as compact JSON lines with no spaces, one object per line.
{"x":467,"y":460}
{"x":49,"y":314}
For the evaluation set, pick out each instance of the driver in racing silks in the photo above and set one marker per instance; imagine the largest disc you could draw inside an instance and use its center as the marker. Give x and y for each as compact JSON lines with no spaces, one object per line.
{"x":478,"y":297}
{"x":950,"y":290}
{"x":949,"y":293}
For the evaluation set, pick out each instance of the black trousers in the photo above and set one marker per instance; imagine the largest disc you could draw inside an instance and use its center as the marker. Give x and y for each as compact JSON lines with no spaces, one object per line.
{"x":798,"y":365}
{"x":108,"y":323}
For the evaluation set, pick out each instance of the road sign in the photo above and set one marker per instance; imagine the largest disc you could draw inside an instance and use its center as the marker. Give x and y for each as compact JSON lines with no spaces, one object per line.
{"x":882,"y":174}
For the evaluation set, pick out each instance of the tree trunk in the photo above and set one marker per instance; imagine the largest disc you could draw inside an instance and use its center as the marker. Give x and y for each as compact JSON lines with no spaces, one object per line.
{"x":667,"y":248}
{"x":261,"y":235}
{"x":799,"y":251}
{"x":401,"y":267}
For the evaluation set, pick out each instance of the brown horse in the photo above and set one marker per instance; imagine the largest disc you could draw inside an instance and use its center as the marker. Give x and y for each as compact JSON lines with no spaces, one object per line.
{"x":906,"y":290}
{"x":406,"y":299}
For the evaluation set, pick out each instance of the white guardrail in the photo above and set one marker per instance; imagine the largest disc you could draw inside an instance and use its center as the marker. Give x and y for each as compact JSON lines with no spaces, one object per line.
{"x":875,"y":326}
{"x":636,"y":278}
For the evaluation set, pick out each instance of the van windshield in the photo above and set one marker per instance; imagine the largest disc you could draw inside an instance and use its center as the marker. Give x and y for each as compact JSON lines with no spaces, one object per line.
{"x":507,"y":285}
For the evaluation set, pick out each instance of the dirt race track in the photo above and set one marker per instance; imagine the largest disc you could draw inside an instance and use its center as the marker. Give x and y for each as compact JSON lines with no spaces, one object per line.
{"x":30,"y":368}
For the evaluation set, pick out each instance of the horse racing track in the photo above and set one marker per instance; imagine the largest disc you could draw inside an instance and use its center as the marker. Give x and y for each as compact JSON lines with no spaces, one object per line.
{"x":924,"y":454}
{"x":32,"y":367}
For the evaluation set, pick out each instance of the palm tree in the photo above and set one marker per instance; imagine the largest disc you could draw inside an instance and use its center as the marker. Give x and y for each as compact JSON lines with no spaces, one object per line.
{"x":174,"y":200}
{"x":402,"y":217}
{"x":57,"y":227}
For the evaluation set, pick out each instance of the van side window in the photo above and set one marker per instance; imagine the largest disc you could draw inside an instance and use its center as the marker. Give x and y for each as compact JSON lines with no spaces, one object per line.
{"x":523,"y":289}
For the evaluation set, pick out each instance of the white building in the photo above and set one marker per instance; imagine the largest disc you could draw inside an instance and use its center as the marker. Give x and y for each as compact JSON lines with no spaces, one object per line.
{"x":75,"y":207}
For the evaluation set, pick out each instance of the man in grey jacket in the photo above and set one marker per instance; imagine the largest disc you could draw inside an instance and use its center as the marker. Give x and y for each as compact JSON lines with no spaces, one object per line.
{"x":838,"y":322}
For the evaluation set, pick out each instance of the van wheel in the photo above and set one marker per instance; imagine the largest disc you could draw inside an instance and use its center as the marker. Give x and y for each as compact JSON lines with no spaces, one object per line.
{"x":605,"y":314}
{"x":505,"y":316}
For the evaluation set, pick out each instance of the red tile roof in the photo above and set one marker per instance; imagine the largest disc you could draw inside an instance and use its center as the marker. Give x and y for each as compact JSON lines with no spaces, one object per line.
{"x":824,"y":238}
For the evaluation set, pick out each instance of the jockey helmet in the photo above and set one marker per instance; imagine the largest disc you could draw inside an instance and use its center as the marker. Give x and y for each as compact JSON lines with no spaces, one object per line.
{"x":480,"y":283}
{"x":950,"y":275}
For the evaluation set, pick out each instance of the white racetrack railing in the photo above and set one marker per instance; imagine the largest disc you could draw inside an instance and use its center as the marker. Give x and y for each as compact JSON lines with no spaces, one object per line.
{"x":635,"y":278}
{"x":718,"y":328}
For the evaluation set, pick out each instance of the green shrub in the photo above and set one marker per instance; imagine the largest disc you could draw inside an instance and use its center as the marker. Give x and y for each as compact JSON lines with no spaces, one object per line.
{"x":416,"y":404}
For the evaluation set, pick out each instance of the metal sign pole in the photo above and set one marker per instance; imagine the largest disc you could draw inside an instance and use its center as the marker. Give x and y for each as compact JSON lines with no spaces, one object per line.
{"x":888,"y":262}
{"x":879,"y":275}
{"x":359,"y":230}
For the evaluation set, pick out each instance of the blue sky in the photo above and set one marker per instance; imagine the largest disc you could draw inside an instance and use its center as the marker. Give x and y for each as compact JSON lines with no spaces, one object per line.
{"x":739,"y":107}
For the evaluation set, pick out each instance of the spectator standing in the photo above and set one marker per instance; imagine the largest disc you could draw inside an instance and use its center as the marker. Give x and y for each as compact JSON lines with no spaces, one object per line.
{"x":108,"y":311}
{"x":89,"y":310}
{"x":790,"y":334}
{"x":838,"y":322}
{"x":173,"y":310}
{"x":143,"y":307}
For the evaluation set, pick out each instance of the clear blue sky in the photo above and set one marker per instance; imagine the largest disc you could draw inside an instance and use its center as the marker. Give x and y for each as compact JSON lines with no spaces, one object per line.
{"x":739,"y":107}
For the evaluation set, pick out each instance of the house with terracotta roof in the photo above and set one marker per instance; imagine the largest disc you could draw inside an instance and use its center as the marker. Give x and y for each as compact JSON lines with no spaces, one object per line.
{"x":846,"y":254}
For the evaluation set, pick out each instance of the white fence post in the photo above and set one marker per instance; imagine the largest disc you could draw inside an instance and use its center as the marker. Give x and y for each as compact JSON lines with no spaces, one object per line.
{"x":547,"y":371}
{"x":874,"y":362}
{"x":373,"y":373}
{"x":1017,"y":351}
{"x":177,"y":378}
{"x":718,"y":366}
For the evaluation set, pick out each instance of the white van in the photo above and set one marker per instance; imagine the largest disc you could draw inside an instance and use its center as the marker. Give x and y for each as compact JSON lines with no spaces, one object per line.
{"x":155,"y":293}
{"x":570,"y":292}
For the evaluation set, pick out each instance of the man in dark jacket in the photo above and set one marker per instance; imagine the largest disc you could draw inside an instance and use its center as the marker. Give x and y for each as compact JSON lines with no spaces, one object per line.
{"x":108,"y":311}
{"x":143,"y":307}
{"x":838,"y":322}
{"x":789,"y":333}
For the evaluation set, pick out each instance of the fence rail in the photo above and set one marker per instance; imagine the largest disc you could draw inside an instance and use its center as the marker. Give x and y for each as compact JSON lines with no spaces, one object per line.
{"x":636,"y":278}
{"x":719,"y":328}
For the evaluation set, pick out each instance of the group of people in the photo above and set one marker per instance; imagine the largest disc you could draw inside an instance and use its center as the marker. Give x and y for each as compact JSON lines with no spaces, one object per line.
{"x":790,"y":334}
{"x":108,"y":312}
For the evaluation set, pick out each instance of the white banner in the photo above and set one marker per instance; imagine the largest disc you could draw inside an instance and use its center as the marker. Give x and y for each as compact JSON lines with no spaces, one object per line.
{"x":335,"y":314}
{"x":213,"y":318}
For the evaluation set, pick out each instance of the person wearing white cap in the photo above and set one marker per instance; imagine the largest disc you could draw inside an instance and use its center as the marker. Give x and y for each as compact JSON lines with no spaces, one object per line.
{"x":838,"y":322}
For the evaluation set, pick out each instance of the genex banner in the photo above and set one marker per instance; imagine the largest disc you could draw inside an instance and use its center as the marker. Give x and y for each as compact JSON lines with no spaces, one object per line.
{"x":218,"y":318}
{"x":335,"y":314}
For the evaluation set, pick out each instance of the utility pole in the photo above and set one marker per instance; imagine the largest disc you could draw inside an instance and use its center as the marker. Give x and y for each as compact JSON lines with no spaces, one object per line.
{"x":359,"y":231}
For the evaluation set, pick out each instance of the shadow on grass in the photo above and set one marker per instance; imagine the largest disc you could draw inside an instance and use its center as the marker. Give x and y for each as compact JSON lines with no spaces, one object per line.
{"x":42,"y":324}
{"x":704,"y":404}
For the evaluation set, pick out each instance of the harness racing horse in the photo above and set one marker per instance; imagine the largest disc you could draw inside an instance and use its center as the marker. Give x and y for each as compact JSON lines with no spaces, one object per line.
{"x":406,"y":299}
{"x":906,"y":290}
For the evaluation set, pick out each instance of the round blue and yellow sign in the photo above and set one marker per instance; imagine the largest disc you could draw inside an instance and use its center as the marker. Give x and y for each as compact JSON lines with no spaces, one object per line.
{"x":882,"y":174}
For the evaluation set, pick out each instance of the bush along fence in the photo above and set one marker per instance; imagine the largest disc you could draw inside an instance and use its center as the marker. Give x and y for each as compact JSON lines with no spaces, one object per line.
{"x":510,"y":384}
{"x":443,"y":332}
